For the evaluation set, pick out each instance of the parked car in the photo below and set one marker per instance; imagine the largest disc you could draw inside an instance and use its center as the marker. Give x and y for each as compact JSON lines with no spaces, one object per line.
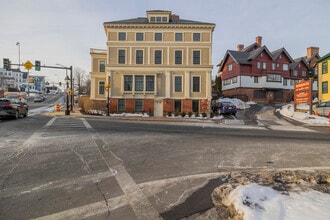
{"x":224,"y":108}
{"x":323,"y":109}
{"x":13,"y":108}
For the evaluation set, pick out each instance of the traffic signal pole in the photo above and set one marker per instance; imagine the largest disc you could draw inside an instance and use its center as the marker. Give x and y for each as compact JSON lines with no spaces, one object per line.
{"x":7,"y":65}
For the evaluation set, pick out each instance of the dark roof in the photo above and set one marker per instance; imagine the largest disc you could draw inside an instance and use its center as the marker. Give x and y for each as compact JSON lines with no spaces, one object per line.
{"x":250,"y":47}
{"x":276,"y":53}
{"x":144,"y":20}
{"x":240,"y":57}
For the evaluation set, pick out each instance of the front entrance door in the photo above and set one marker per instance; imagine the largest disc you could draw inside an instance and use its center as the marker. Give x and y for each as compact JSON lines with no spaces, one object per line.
{"x":158,"y":108}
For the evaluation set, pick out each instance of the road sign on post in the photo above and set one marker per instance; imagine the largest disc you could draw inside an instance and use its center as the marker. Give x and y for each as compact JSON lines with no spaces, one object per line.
{"x":28,"y":65}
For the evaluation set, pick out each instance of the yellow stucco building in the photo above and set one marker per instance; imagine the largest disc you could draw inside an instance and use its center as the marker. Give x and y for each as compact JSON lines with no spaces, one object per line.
{"x":157,"y":64}
{"x":324,"y":78}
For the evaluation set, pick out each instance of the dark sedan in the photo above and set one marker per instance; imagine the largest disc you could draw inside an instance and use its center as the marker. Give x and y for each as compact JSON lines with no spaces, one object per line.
{"x":13,"y":108}
{"x":225,"y":108}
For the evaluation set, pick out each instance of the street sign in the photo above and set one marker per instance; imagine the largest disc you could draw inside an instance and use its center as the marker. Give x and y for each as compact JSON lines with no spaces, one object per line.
{"x":28,"y":65}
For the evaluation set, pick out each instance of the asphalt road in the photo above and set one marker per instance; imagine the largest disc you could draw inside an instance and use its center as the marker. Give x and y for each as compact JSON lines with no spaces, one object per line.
{"x":100,"y":168}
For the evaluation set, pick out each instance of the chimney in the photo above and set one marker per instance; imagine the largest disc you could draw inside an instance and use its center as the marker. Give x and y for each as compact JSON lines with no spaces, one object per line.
{"x":311,"y":51}
{"x":259,"y":40}
{"x":240,"y":47}
{"x":174,"y":17}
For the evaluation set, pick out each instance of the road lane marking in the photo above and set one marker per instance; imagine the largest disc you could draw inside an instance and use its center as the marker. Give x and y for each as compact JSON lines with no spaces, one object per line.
{"x":88,"y":211}
{"x":141,"y":206}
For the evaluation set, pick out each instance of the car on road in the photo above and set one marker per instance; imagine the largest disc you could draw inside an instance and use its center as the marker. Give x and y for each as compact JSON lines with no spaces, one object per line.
{"x":224,"y":108}
{"x":13,"y":108}
{"x":323,"y":109}
{"x":39,"y":98}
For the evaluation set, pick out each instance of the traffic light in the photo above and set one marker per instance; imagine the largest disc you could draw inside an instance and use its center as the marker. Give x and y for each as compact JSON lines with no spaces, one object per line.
{"x":37,"y":65}
{"x":6,"y":64}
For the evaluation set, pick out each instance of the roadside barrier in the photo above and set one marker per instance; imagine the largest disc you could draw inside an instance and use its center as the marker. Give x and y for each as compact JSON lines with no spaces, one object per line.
{"x":57,"y":107}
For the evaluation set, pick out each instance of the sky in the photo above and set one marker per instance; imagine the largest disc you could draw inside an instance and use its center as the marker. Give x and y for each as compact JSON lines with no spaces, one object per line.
{"x":63,"y":31}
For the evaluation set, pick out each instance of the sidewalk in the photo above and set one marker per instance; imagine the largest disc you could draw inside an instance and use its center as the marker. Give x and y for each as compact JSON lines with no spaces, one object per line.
{"x":76,"y":113}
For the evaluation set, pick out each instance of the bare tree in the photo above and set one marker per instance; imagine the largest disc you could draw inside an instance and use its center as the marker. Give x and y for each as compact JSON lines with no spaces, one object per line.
{"x":80,"y":76}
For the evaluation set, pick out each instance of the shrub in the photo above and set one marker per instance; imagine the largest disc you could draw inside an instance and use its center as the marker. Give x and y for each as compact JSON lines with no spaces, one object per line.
{"x":189,"y":114}
{"x":176,"y":114}
{"x":204,"y":115}
{"x":183,"y":114}
{"x":169,"y":114}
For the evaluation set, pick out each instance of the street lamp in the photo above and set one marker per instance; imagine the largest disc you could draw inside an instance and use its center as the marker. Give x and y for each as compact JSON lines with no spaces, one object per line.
{"x":71,"y":83}
{"x":107,"y":88}
{"x":67,"y":80}
{"x":19,"y":54}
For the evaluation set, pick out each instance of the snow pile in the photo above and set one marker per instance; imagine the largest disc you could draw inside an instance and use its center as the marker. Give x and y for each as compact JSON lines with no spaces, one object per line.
{"x":260,"y":202}
{"x":143,"y":115}
{"x":288,"y":111}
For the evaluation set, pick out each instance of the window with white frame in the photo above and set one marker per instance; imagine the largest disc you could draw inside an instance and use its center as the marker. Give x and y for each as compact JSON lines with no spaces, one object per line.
{"x":139,"y":57}
{"x":158,"y":36}
{"x":150,"y":83}
{"x":101,"y":88}
{"x":285,"y":67}
{"x":227,"y":82}
{"x":121,"y":56}
{"x":196,"y":84}
{"x":264,"y":65}
{"x":196,"y":37}
{"x":325,"y":87}
{"x":177,"y":105}
{"x":324,"y":67}
{"x":285,"y":82}
{"x":178,"y":36}
{"x":128,"y":82}
{"x":196,"y":57}
{"x":230,"y":67}
{"x":258,"y":65}
{"x":178,"y":57}
{"x":256,"y":79}
{"x":139,"y":36}
{"x":122,"y":36}
{"x":121,"y":105}
{"x":273,"y":66}
{"x":138,"y":105}
{"x":303,"y":73}
{"x":102,"y":66}
{"x":295,"y":72}
{"x":158,"y":57}
{"x":274,"y":78}
{"x":139,"y":83}
{"x":178,"y":84}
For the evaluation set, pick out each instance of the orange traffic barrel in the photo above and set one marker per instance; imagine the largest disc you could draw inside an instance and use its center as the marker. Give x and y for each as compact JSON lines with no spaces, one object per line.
{"x":57,"y":107}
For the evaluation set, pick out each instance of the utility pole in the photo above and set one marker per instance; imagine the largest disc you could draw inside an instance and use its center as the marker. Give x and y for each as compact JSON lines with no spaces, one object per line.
{"x":19,"y":54}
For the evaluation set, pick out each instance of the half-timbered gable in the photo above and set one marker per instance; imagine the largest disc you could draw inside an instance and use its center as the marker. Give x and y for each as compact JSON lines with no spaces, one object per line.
{"x":255,"y":73}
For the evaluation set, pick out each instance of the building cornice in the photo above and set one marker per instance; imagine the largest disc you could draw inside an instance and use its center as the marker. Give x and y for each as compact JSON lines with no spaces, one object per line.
{"x":160,"y":26}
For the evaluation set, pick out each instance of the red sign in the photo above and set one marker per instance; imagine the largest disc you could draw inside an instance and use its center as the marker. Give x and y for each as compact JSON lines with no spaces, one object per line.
{"x":302,"y":92}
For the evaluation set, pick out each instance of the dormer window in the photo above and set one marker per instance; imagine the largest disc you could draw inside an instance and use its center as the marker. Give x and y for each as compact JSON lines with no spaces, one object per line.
{"x":158,"y":16}
{"x":159,"y":19}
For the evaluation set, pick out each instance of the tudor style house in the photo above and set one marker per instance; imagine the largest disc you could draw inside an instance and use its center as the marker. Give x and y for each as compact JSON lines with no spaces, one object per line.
{"x":324,"y":78}
{"x":255,"y":73}
{"x":158,"y":64}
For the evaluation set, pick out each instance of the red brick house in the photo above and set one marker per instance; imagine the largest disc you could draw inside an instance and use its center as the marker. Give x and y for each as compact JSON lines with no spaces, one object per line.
{"x":255,"y":73}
